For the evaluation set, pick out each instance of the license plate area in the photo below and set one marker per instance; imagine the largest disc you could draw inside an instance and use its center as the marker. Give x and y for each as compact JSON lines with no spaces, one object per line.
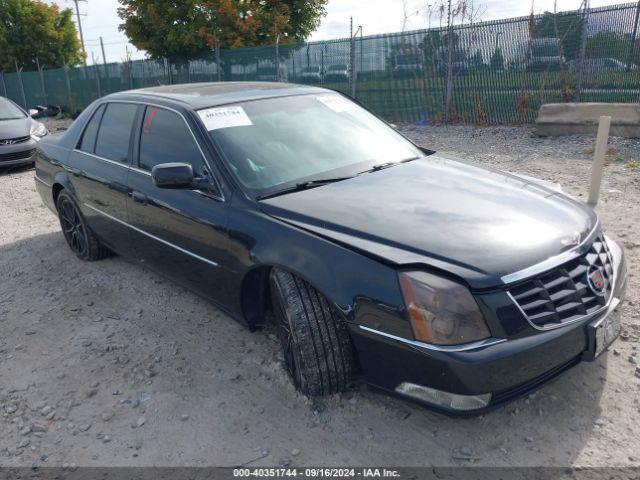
{"x":602,"y":332}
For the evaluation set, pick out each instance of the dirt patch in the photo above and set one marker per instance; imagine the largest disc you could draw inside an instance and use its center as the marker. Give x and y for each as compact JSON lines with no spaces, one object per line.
{"x":109,"y":364}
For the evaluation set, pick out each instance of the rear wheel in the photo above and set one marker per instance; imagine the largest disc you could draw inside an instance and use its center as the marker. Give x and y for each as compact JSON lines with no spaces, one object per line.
{"x":77,"y":233}
{"x":317,"y":348}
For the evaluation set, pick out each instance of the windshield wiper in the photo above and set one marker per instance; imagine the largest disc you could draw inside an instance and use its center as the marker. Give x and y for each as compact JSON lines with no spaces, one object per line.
{"x":304,"y":186}
{"x":382,"y":166}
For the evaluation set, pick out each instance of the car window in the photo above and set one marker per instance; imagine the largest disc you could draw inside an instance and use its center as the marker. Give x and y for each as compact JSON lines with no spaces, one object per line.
{"x":88,"y":141}
{"x":165,"y":138}
{"x":115,"y":131}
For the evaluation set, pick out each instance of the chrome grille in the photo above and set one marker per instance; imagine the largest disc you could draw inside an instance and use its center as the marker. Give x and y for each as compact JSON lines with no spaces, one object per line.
{"x":564,"y":294}
{"x":14,"y":141}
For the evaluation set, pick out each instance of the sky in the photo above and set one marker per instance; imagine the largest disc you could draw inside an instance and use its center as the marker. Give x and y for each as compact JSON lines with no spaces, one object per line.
{"x":100,"y":19}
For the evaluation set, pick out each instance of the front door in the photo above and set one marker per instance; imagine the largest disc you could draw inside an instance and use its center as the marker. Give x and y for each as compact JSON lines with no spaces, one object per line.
{"x":181,"y":232}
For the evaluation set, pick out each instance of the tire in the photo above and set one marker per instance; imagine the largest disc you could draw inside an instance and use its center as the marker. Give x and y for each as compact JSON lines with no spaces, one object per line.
{"x":81,"y":240}
{"x":317,"y":349}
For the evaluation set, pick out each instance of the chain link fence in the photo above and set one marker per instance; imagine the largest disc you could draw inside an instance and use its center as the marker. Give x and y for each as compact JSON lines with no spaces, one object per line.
{"x":497,"y":72}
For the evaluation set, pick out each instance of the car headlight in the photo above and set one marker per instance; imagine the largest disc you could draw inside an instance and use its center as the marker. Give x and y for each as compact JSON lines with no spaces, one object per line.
{"x":38,"y":130}
{"x":441,"y":312}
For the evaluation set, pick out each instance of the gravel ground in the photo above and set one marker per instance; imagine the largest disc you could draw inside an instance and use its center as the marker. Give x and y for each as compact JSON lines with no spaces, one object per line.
{"x":108,"y":364}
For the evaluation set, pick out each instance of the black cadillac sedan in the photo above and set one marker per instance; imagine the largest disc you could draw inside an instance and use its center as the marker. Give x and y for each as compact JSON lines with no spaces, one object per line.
{"x":454,"y":286}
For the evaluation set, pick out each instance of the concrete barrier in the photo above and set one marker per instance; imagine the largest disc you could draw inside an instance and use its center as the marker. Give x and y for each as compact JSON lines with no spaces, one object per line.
{"x":555,"y":119}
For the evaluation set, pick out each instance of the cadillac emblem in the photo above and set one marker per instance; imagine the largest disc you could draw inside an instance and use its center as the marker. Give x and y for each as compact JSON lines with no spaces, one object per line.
{"x":595,"y":280}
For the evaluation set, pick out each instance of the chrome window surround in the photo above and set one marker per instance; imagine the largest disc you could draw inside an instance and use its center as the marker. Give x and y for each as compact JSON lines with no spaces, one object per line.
{"x":143,"y":232}
{"x":439,"y":348}
{"x":606,"y":306}
{"x":128,"y":166}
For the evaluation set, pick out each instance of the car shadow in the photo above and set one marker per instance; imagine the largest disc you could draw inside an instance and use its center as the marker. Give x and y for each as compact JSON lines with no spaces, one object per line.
{"x":128,"y":329}
{"x":16,"y":168}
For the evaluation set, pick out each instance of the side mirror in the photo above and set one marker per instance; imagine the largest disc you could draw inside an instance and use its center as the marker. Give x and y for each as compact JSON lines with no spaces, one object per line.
{"x":172,"y":175}
{"x":33,"y":113}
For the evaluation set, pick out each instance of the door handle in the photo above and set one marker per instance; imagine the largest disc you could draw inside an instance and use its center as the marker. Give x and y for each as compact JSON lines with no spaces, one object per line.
{"x":139,"y":197}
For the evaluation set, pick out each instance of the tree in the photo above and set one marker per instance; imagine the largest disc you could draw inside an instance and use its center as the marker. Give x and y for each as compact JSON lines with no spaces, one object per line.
{"x":565,"y":26}
{"x":32,"y":29}
{"x":186,"y":29}
{"x":497,"y":60}
{"x":610,"y":45}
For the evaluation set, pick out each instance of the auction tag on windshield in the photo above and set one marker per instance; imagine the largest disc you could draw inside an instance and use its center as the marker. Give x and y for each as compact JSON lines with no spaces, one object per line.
{"x":224,"y":117}
{"x":336,"y":103}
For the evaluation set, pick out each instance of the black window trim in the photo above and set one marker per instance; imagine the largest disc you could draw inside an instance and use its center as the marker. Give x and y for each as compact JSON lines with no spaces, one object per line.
{"x":132,"y":165}
{"x":97,"y":111}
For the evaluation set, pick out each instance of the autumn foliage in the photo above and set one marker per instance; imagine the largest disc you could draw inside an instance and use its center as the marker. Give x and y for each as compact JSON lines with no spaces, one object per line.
{"x":181,"y":30}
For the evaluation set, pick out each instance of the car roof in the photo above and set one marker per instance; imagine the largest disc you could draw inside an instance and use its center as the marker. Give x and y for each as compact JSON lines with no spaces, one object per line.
{"x":203,"y":95}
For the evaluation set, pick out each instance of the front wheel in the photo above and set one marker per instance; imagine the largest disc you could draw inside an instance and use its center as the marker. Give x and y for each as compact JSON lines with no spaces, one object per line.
{"x":79,"y":237}
{"x":317,"y":349}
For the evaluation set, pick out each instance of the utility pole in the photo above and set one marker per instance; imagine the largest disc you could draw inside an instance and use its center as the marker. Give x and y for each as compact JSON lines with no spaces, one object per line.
{"x":80,"y":28}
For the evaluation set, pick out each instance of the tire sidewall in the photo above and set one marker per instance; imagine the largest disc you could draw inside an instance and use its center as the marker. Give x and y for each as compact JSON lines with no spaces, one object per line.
{"x":65,"y":196}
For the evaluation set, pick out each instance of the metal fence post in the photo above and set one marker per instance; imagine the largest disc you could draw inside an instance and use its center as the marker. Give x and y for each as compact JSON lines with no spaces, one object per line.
{"x":354,"y":66}
{"x":68,"y":82}
{"x":44,"y":90}
{"x":95,"y":67}
{"x":352,"y":56}
{"x":583,"y":50}
{"x":449,"y":86}
{"x":218,"y":63}
{"x":168,"y":64}
{"x":277,"y":58}
{"x":24,"y":98}
{"x":4,"y":85}
{"x":632,"y":50}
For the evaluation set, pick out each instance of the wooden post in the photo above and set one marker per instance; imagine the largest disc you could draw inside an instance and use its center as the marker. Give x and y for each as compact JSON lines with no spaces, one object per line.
{"x":598,"y":159}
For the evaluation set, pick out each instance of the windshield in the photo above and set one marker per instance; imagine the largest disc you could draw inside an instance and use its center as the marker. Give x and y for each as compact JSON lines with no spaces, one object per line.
{"x":9,"y":111}
{"x":270,"y":145}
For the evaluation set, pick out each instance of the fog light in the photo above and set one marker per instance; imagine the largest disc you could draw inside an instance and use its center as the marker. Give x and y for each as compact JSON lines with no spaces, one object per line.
{"x":448,"y":400}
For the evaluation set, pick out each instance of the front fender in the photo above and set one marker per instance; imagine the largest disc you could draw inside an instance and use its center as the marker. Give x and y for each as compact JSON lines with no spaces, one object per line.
{"x":366,"y":291}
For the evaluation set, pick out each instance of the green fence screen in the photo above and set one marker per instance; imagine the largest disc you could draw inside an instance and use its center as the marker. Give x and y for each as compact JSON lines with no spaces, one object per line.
{"x":497,"y":72}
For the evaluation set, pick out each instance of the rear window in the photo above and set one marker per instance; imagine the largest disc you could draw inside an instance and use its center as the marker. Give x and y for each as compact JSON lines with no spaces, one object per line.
{"x":115,"y":131}
{"x":88,"y":141}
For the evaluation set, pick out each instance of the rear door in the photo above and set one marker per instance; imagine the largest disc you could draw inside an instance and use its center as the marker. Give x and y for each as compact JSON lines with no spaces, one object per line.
{"x":181,"y":233}
{"x":99,"y":167}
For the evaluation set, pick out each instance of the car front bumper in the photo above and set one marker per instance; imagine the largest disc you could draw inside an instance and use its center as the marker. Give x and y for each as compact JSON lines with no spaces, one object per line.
{"x":18,"y":154}
{"x":498,"y":370}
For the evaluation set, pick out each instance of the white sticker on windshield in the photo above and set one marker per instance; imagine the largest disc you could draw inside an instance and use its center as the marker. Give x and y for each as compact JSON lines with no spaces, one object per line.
{"x":336,"y":103}
{"x":224,"y":117}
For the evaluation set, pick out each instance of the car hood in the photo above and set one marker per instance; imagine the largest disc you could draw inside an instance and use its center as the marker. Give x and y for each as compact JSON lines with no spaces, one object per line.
{"x":15,"y":128}
{"x":475,"y":223}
